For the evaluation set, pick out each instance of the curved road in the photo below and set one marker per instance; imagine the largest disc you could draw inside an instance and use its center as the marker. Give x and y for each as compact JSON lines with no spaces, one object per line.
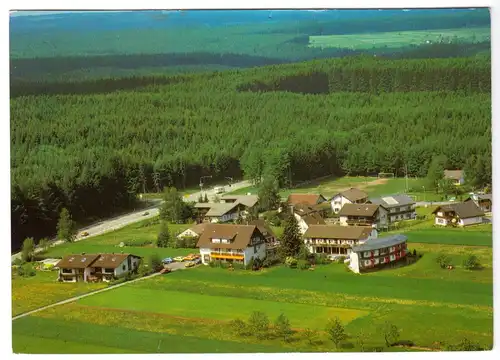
{"x":118,"y":222}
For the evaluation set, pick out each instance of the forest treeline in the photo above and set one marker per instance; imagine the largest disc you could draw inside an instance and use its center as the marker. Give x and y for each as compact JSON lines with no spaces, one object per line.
{"x":30,"y":75}
{"x":92,"y":153}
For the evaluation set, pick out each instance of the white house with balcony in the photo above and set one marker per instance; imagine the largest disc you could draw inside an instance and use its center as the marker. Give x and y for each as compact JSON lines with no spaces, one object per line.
{"x":349,"y":196}
{"x":459,"y":214}
{"x":399,"y":207}
{"x":231,"y":243}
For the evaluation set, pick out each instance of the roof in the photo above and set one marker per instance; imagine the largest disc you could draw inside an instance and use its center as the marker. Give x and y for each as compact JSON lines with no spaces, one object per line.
{"x":463,"y":210}
{"x":480,"y":197}
{"x":338,"y":232}
{"x":203,"y":205}
{"x":322,"y":206}
{"x":263,"y":227}
{"x":353,"y":194}
{"x":358,"y":210}
{"x":393,"y":201}
{"x":379,"y":243}
{"x":303,"y":209}
{"x":80,"y":261}
{"x":110,"y":261}
{"x":239,"y":236}
{"x":247,"y":200}
{"x":313,"y":219}
{"x":219,"y":209}
{"x":198,"y":228}
{"x":454,"y":174}
{"x":309,"y":199}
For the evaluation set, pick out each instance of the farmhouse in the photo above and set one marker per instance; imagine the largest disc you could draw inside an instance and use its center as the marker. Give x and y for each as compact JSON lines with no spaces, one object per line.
{"x":219,"y":212}
{"x":231,"y":243}
{"x":399,"y":207}
{"x":96,"y":267}
{"x":193,"y":231}
{"x":460,"y":214}
{"x":363,"y":215}
{"x":377,"y":252}
{"x":457,"y":176}
{"x":336,"y":240}
{"x":350,"y":196}
{"x":482,"y":201}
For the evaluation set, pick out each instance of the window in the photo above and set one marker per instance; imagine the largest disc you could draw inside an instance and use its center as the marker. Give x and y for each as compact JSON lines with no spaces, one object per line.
{"x":124,"y":267}
{"x":67,"y":271}
{"x":225,"y":241}
{"x":108,"y":270}
{"x":215,"y":241}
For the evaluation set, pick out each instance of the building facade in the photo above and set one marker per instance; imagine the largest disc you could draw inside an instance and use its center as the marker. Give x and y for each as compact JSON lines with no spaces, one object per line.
{"x":336,"y":240}
{"x":350,"y":196}
{"x":378,"y":252}
{"x":459,"y":214}
{"x":363,"y":215}
{"x":482,"y":201}
{"x":399,"y":207}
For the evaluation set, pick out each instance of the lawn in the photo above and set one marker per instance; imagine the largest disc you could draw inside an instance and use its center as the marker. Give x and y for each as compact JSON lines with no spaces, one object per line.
{"x":398,"y":39}
{"x":190,"y":311}
{"x":43,"y":289}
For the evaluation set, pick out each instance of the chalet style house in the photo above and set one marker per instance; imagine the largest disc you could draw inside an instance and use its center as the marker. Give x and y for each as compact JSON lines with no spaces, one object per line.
{"x":304,"y":221}
{"x":378,"y":252}
{"x":231,"y":243}
{"x":194,"y":231}
{"x":399,"y":207}
{"x":456,"y":176}
{"x":350,"y":196}
{"x":363,"y":215}
{"x":96,"y":267}
{"x":482,"y":201}
{"x":272,"y":242}
{"x":459,"y":214}
{"x":220,"y":212}
{"x":336,"y":240}
{"x":250,"y":201}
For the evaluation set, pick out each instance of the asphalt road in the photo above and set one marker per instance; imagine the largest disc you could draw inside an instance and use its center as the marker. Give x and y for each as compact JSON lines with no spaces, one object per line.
{"x":124,"y":220}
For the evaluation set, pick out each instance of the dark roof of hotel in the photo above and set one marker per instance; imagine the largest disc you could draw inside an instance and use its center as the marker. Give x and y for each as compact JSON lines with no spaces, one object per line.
{"x":463,"y":210}
{"x":380,"y":243}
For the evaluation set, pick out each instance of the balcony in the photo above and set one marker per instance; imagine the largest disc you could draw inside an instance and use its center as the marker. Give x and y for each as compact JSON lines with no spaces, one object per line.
{"x":360,"y":222}
{"x":227,"y":255}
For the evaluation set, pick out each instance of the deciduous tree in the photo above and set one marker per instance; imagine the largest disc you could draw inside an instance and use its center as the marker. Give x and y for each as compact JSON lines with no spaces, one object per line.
{"x":336,"y":331}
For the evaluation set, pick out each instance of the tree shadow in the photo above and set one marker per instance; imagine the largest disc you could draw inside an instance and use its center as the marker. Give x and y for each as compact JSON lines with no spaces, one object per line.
{"x":347,"y":345}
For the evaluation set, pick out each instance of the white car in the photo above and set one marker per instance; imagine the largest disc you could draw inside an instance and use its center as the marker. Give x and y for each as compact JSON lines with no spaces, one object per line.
{"x":219,"y":190}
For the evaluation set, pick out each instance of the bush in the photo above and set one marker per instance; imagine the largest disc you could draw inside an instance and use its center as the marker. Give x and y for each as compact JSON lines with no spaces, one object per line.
{"x":250,"y":264}
{"x":26,"y":270}
{"x":471,"y":263}
{"x":190,"y":242}
{"x":303,"y":264}
{"x":270,"y":261}
{"x":465,"y":345}
{"x":239,"y":327}
{"x":135,"y":243}
{"x":321,"y":259}
{"x":180,"y":243}
{"x":291,"y":262}
{"x":155,"y":263}
{"x":443,"y":260}
{"x":340,"y":260}
{"x":258,"y":324}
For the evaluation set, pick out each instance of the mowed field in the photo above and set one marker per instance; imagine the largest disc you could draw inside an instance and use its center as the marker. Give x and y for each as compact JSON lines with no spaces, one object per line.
{"x":398,"y":39}
{"x":372,"y":185}
{"x":189,"y":311}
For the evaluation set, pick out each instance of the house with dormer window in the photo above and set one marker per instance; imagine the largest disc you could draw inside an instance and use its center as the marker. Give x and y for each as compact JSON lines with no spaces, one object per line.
{"x":231,"y":243}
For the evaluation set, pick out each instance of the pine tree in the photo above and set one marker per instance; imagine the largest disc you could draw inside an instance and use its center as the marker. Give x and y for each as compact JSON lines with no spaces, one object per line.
{"x":65,"y":226}
{"x":200,"y":198}
{"x":435,"y":173}
{"x":205,"y":199}
{"x":163,"y":239}
{"x":291,"y":240}
{"x":336,"y":331}
{"x":28,"y":249}
{"x":282,"y":327}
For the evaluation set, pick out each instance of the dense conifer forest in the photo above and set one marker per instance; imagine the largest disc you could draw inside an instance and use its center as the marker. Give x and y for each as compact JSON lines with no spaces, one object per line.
{"x":91,"y":148}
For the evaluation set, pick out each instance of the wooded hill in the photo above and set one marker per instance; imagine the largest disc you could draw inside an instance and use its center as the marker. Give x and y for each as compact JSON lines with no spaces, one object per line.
{"x":91,"y":151}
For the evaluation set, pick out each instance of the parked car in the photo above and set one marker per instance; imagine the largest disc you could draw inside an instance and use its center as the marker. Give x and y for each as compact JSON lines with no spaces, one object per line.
{"x":190,"y":264}
{"x":190,"y":257}
{"x":146,"y":213}
{"x":168,"y":260}
{"x":179,"y":258}
{"x":85,"y":233}
{"x":197,"y":261}
{"x":219,"y":189}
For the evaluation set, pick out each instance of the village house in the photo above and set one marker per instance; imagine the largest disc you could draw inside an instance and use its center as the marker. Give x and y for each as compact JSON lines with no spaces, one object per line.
{"x":307,"y":199}
{"x":378,"y":252}
{"x":399,"y":207}
{"x":306,"y":219}
{"x":96,"y":267}
{"x":456,"y":176}
{"x":220,"y":212}
{"x":194,"y":231}
{"x":363,"y":215}
{"x":336,"y":240}
{"x":272,"y":242}
{"x":250,"y":201}
{"x":459,"y":214}
{"x":482,"y":201}
{"x":231,"y":243}
{"x":350,"y":196}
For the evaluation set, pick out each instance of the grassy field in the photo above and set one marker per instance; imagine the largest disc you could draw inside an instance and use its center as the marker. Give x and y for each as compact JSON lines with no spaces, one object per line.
{"x":189,"y":311}
{"x":398,"y":39}
{"x":372,"y":185}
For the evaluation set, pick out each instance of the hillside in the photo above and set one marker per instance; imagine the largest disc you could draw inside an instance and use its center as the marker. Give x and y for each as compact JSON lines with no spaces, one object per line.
{"x":90,"y":146}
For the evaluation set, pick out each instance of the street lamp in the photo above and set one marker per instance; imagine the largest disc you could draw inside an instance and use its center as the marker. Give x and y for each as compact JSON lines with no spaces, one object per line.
{"x":201,"y":181}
